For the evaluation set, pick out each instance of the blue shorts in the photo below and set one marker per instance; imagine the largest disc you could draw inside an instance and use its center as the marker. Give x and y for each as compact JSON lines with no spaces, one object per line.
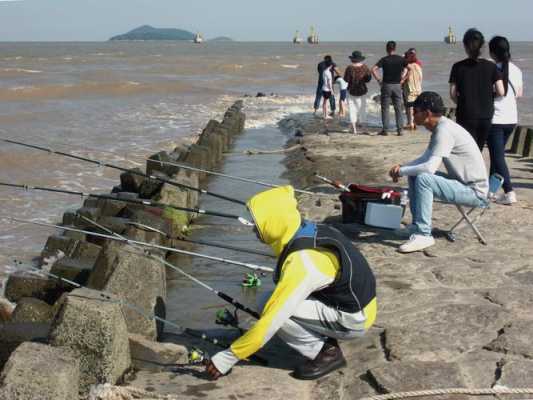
{"x":343,"y":94}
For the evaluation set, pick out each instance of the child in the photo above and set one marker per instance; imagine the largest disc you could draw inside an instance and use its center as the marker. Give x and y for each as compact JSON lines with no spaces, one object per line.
{"x":327,"y":87}
{"x":343,"y":85}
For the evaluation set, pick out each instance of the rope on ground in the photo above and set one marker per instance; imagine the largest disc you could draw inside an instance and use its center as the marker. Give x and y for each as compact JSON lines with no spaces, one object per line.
{"x":252,"y":152}
{"x":438,"y":392}
{"x":111,"y":392}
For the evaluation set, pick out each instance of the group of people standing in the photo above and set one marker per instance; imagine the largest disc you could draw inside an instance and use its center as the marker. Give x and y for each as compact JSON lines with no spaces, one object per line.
{"x":484,"y":91}
{"x":401,"y":81}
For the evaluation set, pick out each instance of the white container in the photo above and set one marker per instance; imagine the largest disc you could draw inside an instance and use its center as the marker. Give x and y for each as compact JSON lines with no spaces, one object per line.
{"x":383,"y":215}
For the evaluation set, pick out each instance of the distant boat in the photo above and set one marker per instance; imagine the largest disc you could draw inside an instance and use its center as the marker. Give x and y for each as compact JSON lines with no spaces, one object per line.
{"x":450,"y":38}
{"x":198,"y":38}
{"x":297,"y":39}
{"x":313,"y":36}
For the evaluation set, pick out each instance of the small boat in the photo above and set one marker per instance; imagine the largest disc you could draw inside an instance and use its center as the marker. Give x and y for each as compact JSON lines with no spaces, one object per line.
{"x":313,"y":36}
{"x":450,"y":38}
{"x":297,"y":39}
{"x":198,"y":38}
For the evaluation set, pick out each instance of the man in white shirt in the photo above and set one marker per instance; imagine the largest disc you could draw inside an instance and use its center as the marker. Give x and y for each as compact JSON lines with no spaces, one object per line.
{"x":466,"y":182}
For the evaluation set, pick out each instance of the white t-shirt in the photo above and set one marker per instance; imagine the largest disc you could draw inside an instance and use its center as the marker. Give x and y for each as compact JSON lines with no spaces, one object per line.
{"x":342,"y":83}
{"x":505,"y":109}
{"x":328,"y":80}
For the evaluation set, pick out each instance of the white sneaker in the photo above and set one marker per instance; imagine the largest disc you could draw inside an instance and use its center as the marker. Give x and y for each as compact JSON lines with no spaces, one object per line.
{"x":406,"y":231}
{"x":416,"y":243}
{"x":507,"y":198}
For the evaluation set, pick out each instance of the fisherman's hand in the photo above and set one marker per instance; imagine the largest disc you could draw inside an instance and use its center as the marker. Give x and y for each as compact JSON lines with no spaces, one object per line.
{"x":212,"y":372}
{"x":394,"y":173}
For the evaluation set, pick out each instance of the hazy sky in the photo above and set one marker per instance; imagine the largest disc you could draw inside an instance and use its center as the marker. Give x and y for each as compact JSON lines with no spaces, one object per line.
{"x":344,"y":20}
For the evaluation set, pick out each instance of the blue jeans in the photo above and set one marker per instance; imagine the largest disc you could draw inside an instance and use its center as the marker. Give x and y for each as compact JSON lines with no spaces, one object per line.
{"x":318,"y":97}
{"x":422,"y":189}
{"x":498,"y":136}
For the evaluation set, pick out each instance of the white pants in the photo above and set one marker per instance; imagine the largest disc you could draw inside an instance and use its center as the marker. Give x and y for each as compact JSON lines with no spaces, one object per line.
{"x":313,"y":322}
{"x":357,"y":106}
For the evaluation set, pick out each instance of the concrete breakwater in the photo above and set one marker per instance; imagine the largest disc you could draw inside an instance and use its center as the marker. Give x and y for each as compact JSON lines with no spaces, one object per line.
{"x":59,"y":341}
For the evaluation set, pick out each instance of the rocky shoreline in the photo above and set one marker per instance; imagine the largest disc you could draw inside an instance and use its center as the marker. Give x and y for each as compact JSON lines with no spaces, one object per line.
{"x":59,"y":340}
{"x":457,"y":315}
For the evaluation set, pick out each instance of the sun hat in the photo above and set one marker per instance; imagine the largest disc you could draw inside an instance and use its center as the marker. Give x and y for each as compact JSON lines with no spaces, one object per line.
{"x":357,"y":56}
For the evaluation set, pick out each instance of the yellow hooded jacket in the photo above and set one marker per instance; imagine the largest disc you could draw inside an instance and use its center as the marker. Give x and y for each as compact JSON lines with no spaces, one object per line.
{"x":303,"y":272}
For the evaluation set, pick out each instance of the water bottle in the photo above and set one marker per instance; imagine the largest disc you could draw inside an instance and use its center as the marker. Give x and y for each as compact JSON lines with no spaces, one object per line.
{"x":404,"y":199}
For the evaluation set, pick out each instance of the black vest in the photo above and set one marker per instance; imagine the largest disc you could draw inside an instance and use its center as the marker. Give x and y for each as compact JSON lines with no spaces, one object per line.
{"x":355,"y":286}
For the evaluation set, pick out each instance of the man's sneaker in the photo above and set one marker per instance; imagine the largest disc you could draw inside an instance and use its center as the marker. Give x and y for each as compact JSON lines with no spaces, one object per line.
{"x":406,"y":231}
{"x":383,"y":133}
{"x":400,"y":132}
{"x":329,"y":359}
{"x":416,"y":243}
{"x":507,"y":198}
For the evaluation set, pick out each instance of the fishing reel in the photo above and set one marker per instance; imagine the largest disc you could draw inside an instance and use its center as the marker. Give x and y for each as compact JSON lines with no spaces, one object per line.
{"x":196,"y":356}
{"x":251,"y":280}
{"x":226,"y":318}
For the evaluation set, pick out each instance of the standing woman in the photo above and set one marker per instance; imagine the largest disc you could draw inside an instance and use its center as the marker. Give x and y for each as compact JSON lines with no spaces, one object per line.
{"x":357,"y":75}
{"x":505,"y":114}
{"x":473,"y":83}
{"x":412,"y":86}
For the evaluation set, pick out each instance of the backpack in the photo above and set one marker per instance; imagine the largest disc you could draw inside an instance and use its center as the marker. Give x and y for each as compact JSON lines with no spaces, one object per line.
{"x":357,"y":77}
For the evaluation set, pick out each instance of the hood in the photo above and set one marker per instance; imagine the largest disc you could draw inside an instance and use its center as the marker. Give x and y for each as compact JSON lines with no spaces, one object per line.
{"x":275,"y":215}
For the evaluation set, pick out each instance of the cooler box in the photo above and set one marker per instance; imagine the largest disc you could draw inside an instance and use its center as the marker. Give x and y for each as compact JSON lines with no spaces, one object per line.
{"x":355,"y":203}
{"x":383,"y":215}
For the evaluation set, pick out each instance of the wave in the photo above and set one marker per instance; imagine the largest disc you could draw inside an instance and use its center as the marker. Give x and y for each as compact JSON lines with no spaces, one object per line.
{"x":290,"y":66}
{"x":120,"y":88}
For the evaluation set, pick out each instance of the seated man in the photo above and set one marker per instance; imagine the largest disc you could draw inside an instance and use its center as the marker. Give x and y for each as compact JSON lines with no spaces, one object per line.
{"x":466,"y":182}
{"x":324,"y":290}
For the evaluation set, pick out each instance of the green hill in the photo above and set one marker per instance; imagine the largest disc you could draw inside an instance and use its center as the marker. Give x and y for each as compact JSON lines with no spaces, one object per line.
{"x":147,"y":32}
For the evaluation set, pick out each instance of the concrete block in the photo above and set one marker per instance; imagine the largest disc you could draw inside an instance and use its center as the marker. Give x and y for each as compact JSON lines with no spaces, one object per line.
{"x":151,"y":186}
{"x":509,"y":144}
{"x":155,"y":356}
{"x":115,"y":224}
{"x":519,"y":139}
{"x":38,"y":371}
{"x":30,"y":309}
{"x":138,"y":279}
{"x":24,"y":284}
{"x":110,"y":208}
{"x":528,"y":144}
{"x":57,"y":243}
{"x":74,"y":269}
{"x":216,"y":145}
{"x":93,"y":326}
{"x":130,"y":181}
{"x":153,"y":165}
{"x":12,"y":334}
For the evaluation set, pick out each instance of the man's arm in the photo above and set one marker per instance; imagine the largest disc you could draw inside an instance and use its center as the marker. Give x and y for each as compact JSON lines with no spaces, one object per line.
{"x":374,"y":72}
{"x":405,"y":75}
{"x":453,"y":92}
{"x":428,"y":167}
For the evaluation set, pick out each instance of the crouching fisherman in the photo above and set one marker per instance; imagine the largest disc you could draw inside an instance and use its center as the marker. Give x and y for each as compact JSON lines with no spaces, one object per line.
{"x":325,"y":290}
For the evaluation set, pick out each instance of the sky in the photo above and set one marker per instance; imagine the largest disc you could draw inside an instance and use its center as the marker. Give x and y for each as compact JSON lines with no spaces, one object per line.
{"x":272,"y":20}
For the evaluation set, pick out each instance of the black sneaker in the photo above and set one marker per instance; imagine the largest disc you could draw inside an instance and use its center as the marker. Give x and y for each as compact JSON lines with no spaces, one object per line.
{"x":328,"y":360}
{"x":383,"y":133}
{"x":400,"y":133}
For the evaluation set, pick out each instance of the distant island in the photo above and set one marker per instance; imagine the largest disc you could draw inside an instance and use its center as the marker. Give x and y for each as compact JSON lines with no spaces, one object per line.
{"x":147,"y":32}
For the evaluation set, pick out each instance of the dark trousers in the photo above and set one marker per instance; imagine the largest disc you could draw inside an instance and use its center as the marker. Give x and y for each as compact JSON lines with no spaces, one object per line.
{"x":497,"y":138}
{"x":478,"y":128}
{"x":318,"y":97}
{"x":391,"y":92}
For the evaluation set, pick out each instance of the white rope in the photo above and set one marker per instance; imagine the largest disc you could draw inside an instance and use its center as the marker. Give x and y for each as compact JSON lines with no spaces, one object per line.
{"x":438,"y":392}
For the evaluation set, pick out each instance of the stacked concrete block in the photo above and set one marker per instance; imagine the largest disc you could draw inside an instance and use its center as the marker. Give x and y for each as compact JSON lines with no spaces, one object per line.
{"x":39,"y":371}
{"x":25,"y":284}
{"x":12,"y":334}
{"x":528,"y":145}
{"x":30,"y":309}
{"x":93,"y":326}
{"x":140,"y":280}
{"x":519,"y":140}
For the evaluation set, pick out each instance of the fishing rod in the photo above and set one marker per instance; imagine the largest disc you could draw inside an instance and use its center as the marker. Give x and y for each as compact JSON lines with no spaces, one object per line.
{"x":234,"y":177}
{"x":195,"y":241}
{"x":113,"y":166}
{"x":182,"y":272}
{"x":335,"y":184}
{"x":133,"y":201}
{"x":194,"y":356}
{"x":151,"y":245}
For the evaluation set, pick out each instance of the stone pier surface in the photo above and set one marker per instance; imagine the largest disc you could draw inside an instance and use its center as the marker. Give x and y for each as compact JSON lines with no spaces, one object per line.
{"x":456,"y":316}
